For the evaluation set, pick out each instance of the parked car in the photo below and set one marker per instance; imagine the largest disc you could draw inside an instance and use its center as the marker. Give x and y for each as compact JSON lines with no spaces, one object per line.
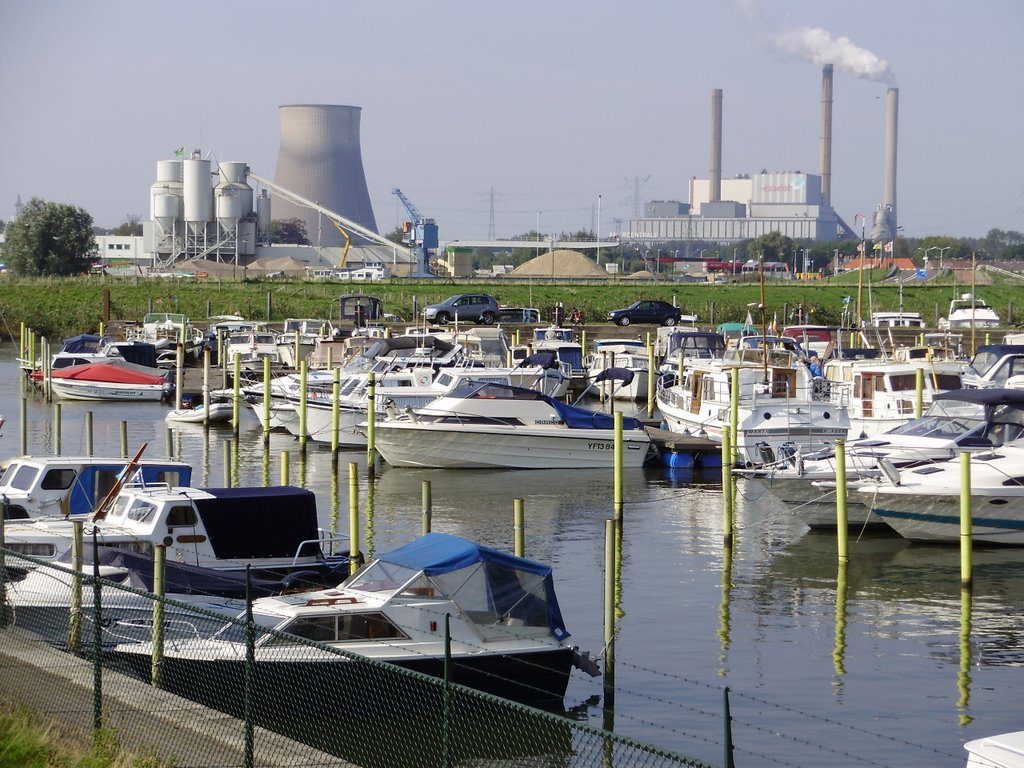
{"x":646,"y":311}
{"x":478,"y":307}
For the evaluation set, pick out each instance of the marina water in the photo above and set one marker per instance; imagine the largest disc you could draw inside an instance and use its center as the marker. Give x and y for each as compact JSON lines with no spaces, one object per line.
{"x":889,"y":678}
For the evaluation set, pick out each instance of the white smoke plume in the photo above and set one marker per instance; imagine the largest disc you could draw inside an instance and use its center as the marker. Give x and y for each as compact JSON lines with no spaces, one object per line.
{"x":818,"y":46}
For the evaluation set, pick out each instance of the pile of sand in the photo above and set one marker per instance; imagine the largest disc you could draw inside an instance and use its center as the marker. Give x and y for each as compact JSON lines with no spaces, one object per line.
{"x":560,"y":263}
{"x":643,"y":274}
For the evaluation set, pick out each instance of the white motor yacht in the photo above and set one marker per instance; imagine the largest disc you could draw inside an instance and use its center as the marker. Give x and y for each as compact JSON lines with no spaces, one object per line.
{"x":506,"y":634}
{"x":967,"y":419}
{"x":630,"y":354}
{"x":485,"y":425}
{"x":923,"y":504}
{"x":969,"y":311}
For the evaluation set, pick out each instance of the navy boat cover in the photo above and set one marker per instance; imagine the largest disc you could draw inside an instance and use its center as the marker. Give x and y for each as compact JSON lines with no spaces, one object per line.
{"x":259,"y":522}
{"x":440,"y":553}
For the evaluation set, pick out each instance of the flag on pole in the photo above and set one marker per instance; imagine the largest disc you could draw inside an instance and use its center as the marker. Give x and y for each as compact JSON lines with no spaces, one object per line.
{"x":876,"y":247}
{"x":888,"y":247}
{"x":179,"y":152}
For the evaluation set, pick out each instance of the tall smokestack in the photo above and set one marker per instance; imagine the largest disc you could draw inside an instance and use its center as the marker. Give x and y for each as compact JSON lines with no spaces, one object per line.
{"x":715,"y":181}
{"x":825,"y":158}
{"x":885,"y":218}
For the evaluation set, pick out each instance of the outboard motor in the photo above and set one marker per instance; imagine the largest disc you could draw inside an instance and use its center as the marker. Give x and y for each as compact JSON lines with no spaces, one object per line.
{"x":788,"y":452}
{"x":760,"y":454}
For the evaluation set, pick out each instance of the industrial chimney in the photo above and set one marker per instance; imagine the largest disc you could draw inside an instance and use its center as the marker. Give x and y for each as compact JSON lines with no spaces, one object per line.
{"x":885,"y":218}
{"x":715,"y":181}
{"x":825,"y":158}
{"x":321,"y":160}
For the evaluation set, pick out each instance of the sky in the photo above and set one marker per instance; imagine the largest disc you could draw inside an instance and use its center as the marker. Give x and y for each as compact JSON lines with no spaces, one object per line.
{"x":552,"y":105}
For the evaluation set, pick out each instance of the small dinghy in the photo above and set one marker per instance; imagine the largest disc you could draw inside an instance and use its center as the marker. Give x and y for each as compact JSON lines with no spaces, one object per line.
{"x":193,"y":411}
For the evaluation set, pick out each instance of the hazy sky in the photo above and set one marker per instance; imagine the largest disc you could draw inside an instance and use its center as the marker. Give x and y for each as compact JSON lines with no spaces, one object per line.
{"x":550,"y":103}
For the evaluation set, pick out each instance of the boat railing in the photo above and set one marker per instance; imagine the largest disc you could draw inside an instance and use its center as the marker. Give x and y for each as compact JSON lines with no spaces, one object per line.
{"x":327,"y":544}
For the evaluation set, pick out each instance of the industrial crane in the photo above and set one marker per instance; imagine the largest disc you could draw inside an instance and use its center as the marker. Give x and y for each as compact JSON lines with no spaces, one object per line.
{"x":419,"y":233}
{"x":339,"y":221}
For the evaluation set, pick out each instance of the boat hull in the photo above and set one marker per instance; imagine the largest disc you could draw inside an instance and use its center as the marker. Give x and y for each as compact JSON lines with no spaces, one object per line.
{"x":98,"y":390}
{"x":995,"y":518}
{"x":406,"y":444}
{"x":219,"y":412}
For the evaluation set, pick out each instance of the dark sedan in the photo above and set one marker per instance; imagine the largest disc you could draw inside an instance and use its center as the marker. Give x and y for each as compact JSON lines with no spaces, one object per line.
{"x":646,"y":311}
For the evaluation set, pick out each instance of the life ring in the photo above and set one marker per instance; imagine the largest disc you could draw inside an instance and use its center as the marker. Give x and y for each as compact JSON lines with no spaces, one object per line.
{"x":423,"y":379}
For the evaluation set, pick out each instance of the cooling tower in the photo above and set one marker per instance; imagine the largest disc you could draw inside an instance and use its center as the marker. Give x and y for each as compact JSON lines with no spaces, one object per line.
{"x":715,"y":186}
{"x":320,"y":159}
{"x":825,"y":157}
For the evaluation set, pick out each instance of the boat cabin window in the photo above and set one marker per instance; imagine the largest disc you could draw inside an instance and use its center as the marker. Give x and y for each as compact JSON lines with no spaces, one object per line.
{"x":1014,"y":366}
{"x":343,"y":628}
{"x":182,"y":515}
{"x":58,"y":479}
{"x":140,"y":510}
{"x":24,"y":478}
{"x":946,"y":419}
{"x":381,"y":577}
{"x":119,"y":507}
{"x":9,"y":473}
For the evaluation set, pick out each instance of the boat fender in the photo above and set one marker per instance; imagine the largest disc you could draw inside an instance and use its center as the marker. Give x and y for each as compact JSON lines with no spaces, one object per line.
{"x":583,"y":662}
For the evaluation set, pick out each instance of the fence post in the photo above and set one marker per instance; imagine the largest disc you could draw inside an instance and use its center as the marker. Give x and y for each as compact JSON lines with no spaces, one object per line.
{"x":156,"y":674}
{"x":97,"y":645}
{"x":3,"y":556}
{"x":250,"y":662}
{"x":446,"y":726}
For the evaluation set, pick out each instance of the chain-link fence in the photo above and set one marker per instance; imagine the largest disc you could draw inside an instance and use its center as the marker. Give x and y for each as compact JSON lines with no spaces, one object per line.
{"x":194,"y":680}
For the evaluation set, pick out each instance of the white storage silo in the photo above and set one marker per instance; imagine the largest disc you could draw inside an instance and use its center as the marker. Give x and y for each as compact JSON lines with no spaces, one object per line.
{"x":236,"y":176}
{"x":263,"y":217}
{"x":198,"y":200}
{"x":165,"y":194}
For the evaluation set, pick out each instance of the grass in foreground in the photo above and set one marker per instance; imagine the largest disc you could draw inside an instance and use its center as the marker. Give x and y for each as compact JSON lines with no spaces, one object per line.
{"x":30,"y":740}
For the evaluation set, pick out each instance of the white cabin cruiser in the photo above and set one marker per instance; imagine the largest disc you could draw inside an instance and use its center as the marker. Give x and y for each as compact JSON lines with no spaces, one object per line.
{"x":969,"y":311}
{"x":251,"y":348}
{"x":1003,"y":751}
{"x":923,"y":504}
{"x":996,"y":365}
{"x":506,"y":631}
{"x":485,"y":425}
{"x":967,"y":419}
{"x":782,"y":407}
{"x":629,"y":354}
{"x":305,"y":332}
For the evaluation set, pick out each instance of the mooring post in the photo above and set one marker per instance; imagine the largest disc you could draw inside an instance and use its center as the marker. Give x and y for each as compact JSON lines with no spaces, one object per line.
{"x":21,"y":341}
{"x":618,"y":458}
{"x":650,"y":380}
{"x":966,"y":553}
{"x":236,"y":396}
{"x":57,"y":428}
{"x":75,"y":616}
{"x":297,"y":350}
{"x":179,"y":375}
{"x":227,"y":463}
{"x":426,"y":505}
{"x":206,"y":388}
{"x":169,"y":443}
{"x":32,"y":349}
{"x":102,"y":328}
{"x":371,"y":425}
{"x":727,"y":498}
{"x":353,"y":515}
{"x":23,"y":425}
{"x":335,"y":411}
{"x":919,"y":387}
{"x":156,"y":672}
{"x":124,"y":439}
{"x":266,"y":401}
{"x":519,"y":527}
{"x":303,"y":404}
{"x":842,"y":532}
{"x":734,"y":413}
{"x":47,"y":382}
{"x":88,"y":434}
{"x":284,"y":467}
{"x":270,"y":305}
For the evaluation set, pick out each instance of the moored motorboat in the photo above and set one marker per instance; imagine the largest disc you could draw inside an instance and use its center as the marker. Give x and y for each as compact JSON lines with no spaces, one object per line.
{"x":201,"y":414}
{"x":487,"y":425}
{"x":506,"y":633}
{"x":968,"y":311}
{"x":113,"y":380}
{"x":1005,"y":750}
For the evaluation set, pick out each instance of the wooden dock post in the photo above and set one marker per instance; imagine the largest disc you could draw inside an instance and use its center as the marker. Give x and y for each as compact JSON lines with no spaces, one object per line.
{"x":266,"y":401}
{"x":734,"y":413}
{"x":88,"y":434}
{"x":519,"y":527}
{"x":609,"y":583}
{"x":842,"y":532}
{"x":650,"y":380}
{"x":966,"y":552}
{"x":124,"y":439}
{"x":179,"y":375}
{"x":617,"y":472}
{"x":353,"y":515}
{"x":284,"y":467}
{"x":236,"y":395}
{"x":303,"y":403}
{"x":371,"y":425}
{"x":919,"y":387}
{"x":335,"y":411}
{"x":727,"y":497}
{"x":156,"y":673}
{"x":57,"y":429}
{"x":206,"y":388}
{"x":227,"y":463}
{"x":426,"y":505}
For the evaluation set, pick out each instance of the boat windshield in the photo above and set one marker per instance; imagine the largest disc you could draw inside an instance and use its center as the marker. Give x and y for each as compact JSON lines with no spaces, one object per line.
{"x":381,"y":577}
{"x":948,"y":419}
{"x":984,"y":360}
{"x":235,"y":632}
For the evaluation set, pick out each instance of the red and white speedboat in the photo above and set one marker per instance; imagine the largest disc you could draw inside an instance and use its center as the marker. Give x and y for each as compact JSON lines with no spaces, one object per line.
{"x":114,"y":380}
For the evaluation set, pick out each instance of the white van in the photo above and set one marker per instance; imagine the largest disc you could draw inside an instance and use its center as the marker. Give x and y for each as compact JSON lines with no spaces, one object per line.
{"x":367,"y":275}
